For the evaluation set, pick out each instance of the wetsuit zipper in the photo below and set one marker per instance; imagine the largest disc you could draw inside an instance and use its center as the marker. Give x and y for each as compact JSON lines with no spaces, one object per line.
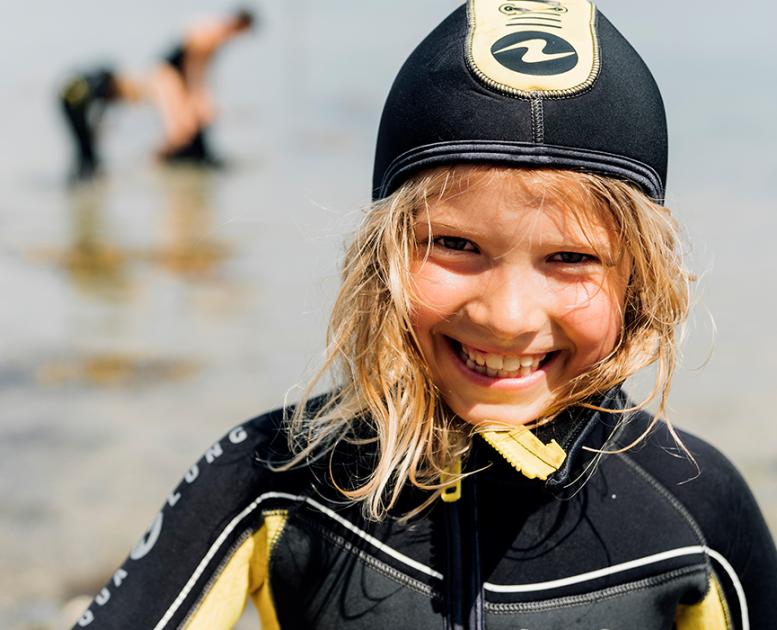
{"x":463,"y":585}
{"x":476,"y":615}
{"x":454,"y":591}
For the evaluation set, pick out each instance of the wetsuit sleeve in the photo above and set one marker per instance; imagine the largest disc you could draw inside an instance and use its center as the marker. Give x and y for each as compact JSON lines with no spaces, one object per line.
{"x":205,"y":552}
{"x":741,"y":549}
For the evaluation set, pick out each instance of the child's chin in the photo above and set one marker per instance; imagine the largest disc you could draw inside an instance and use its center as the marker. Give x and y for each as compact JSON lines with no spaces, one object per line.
{"x":498,"y":416}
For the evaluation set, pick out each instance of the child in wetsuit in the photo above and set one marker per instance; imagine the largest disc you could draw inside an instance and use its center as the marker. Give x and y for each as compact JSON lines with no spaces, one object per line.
{"x":84,"y":99}
{"x":478,"y":464}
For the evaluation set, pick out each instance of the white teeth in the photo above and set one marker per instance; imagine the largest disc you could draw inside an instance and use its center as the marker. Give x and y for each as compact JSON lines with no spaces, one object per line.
{"x":494,"y":361}
{"x":507,"y":373}
{"x":501,"y":365}
{"x":511,"y":363}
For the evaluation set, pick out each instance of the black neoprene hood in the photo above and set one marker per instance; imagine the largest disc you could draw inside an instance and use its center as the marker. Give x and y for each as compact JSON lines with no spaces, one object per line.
{"x":534,"y":83}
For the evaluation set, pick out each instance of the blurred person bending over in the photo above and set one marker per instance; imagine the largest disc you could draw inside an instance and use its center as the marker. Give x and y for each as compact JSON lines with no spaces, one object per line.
{"x":83,"y":99}
{"x":180,"y":92}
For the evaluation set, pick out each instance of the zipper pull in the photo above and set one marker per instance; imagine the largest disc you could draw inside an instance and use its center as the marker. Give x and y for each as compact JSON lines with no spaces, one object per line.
{"x":451,"y":480}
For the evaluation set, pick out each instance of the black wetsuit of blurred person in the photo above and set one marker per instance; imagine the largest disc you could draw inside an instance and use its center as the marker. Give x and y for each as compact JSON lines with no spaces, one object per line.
{"x":181,"y":95}
{"x":83,"y":100}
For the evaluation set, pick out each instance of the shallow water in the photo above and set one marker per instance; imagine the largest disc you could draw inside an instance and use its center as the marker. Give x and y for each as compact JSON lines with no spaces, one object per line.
{"x":147,"y":313}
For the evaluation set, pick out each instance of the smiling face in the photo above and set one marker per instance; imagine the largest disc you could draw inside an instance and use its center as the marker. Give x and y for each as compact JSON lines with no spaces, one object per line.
{"x":515,"y":294}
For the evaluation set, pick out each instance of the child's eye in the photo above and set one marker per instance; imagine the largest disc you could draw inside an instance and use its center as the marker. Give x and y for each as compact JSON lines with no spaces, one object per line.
{"x":454,"y":243}
{"x":572,"y":258}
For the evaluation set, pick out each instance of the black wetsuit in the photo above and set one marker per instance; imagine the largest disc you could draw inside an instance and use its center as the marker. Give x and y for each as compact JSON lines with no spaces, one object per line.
{"x":176,"y":59}
{"x":83,"y":100}
{"x":644,"y":544}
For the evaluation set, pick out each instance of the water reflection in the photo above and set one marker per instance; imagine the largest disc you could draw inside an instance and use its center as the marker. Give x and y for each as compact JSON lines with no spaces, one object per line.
{"x":114,"y":369}
{"x":94,"y":263}
{"x":98,"y":260}
{"x":117,"y":259}
{"x":188,"y":246}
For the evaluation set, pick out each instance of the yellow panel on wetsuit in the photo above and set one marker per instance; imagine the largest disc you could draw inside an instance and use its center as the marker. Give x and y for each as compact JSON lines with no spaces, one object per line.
{"x":245,"y":573}
{"x":709,"y":614}
{"x":274,"y":523}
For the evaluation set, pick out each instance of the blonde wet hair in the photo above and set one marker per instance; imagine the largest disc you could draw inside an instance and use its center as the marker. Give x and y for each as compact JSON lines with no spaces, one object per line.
{"x":379,"y":374}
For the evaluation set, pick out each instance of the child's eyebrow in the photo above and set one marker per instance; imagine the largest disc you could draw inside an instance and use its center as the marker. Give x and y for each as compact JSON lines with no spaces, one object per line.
{"x":572,"y":238}
{"x":433,"y":224}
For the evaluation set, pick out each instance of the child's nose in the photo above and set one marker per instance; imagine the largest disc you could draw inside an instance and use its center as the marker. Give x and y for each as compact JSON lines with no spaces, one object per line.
{"x":510,"y":305}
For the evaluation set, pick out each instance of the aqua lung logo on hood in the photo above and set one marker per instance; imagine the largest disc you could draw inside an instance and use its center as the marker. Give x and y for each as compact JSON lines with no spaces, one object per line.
{"x":530,"y":47}
{"x":535,"y":53}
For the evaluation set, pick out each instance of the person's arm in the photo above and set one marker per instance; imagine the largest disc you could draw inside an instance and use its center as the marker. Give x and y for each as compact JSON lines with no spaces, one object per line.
{"x":741,"y":547}
{"x":204,"y":553}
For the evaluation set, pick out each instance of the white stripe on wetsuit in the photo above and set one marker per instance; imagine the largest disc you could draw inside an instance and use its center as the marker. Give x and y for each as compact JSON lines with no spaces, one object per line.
{"x":418,"y":566}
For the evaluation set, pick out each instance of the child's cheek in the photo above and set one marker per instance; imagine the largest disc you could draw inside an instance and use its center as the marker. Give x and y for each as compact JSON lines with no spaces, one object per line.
{"x":593,"y":321}
{"x":436,"y":291}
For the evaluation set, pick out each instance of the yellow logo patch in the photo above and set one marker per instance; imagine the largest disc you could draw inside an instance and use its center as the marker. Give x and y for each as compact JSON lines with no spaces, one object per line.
{"x":525,"y":47}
